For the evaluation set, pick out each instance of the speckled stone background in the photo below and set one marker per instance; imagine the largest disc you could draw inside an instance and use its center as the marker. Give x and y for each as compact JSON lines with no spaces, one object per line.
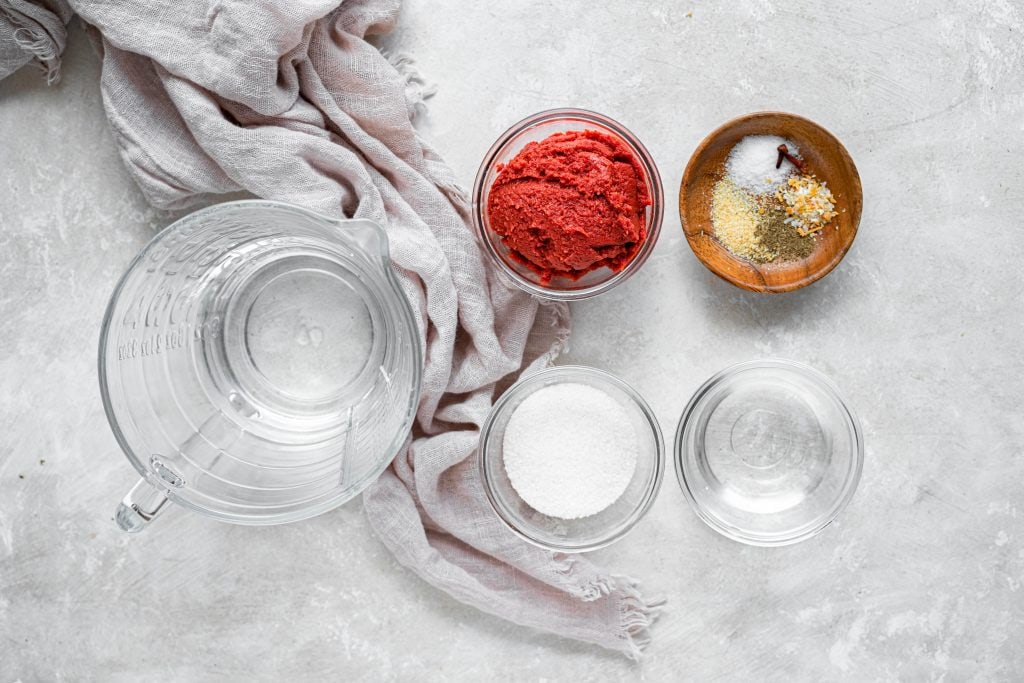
{"x":921,"y":578}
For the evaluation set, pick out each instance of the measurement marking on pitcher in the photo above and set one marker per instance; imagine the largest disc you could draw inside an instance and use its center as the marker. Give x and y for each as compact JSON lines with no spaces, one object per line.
{"x":171,"y":340}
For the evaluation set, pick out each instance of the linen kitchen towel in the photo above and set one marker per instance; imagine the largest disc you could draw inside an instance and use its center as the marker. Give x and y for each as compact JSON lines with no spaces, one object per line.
{"x":290,"y":102}
{"x":33,"y":31}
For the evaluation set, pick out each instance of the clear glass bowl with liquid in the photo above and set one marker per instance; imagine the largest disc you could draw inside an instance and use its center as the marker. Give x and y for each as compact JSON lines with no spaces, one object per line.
{"x":768,"y":452}
{"x":258,"y":364}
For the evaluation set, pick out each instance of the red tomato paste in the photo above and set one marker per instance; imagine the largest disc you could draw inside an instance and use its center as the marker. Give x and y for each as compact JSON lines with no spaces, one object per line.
{"x":570,"y":204}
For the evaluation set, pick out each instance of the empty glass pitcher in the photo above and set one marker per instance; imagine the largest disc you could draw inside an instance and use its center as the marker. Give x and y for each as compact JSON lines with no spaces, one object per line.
{"x":259,"y":364}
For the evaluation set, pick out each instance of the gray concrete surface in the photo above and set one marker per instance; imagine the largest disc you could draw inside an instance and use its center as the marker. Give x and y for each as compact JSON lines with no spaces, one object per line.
{"x":922,"y":578}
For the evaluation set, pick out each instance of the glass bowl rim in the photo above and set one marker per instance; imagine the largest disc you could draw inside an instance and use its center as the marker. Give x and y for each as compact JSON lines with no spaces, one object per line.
{"x":534,"y":378}
{"x":850,"y":483}
{"x":653,"y":180}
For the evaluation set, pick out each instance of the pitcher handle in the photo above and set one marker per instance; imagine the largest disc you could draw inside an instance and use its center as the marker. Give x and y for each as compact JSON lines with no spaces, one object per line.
{"x":139,"y":507}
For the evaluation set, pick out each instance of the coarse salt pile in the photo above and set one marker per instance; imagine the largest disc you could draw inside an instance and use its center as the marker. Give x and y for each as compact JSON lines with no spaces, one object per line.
{"x":570,"y":450}
{"x":751,"y":163}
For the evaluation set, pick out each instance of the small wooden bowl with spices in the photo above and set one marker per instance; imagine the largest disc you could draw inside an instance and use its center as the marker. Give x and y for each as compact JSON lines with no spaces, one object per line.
{"x":770,"y":202}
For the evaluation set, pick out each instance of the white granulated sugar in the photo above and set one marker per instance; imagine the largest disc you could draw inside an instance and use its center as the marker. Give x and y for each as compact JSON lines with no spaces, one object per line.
{"x":751,"y":163}
{"x":570,"y":450}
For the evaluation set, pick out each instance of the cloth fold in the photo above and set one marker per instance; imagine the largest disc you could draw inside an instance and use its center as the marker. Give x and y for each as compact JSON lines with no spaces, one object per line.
{"x":289,"y":101}
{"x":33,"y":31}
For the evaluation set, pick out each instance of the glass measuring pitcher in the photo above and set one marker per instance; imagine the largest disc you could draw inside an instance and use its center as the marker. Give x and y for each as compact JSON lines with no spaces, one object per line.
{"x":259,"y":364}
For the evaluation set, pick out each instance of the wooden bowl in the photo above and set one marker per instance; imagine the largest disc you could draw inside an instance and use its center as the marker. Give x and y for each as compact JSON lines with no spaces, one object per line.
{"x":823,"y":155}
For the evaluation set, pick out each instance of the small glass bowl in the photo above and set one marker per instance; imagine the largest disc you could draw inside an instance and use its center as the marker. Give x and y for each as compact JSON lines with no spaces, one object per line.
{"x":536,"y":128}
{"x":585,"y":533}
{"x":768,"y":453}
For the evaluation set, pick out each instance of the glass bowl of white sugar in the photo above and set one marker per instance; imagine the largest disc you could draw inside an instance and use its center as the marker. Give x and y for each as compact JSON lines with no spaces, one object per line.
{"x":571,"y":458}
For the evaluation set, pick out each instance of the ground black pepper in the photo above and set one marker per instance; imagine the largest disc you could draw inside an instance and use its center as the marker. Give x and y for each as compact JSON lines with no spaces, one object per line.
{"x":780,"y":238}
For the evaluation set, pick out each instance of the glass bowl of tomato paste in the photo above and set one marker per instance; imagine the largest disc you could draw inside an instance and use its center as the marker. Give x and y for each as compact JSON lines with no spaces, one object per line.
{"x":568,"y":204}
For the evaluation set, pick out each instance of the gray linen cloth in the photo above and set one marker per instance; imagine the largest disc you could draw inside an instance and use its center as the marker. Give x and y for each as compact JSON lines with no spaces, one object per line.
{"x":33,"y":31}
{"x":290,"y":102}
